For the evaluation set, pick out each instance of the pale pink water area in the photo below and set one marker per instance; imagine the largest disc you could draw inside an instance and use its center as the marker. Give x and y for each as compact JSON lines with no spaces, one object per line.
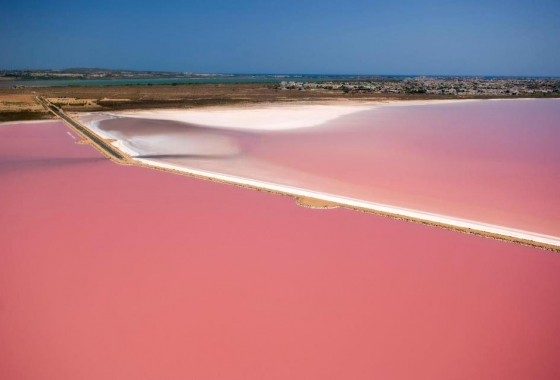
{"x":122,"y":272}
{"x":494,"y":162}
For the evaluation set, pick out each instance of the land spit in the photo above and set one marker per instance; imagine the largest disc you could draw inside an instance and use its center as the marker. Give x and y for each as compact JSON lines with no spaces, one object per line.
{"x":120,"y":154}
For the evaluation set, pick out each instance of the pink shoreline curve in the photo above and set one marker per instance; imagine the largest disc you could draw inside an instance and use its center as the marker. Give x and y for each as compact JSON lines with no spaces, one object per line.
{"x":489,"y":163}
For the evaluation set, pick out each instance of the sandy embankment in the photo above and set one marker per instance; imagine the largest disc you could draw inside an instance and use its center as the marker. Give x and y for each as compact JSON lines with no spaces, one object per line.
{"x":285,"y":117}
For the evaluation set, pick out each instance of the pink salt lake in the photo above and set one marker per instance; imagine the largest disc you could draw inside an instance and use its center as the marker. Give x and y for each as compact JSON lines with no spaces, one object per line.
{"x":121,"y":272}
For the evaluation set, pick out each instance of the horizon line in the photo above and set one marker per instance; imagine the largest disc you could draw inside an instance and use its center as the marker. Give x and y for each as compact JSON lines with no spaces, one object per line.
{"x":303,"y":74}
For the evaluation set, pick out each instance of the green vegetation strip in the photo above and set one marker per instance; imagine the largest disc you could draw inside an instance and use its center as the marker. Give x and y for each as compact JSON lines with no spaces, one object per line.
{"x":23,"y":115}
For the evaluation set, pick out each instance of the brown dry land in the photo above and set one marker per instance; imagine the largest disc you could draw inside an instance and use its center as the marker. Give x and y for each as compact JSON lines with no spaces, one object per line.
{"x":315,"y":203}
{"x":18,"y":106}
{"x":22,"y":102}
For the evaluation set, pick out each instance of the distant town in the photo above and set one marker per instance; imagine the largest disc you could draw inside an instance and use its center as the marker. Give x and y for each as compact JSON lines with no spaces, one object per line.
{"x":460,"y":86}
{"x":428,"y":85}
{"x":92,"y":73}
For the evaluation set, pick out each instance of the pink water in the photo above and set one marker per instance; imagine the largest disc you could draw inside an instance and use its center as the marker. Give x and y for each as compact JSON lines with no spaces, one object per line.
{"x":120,"y":272}
{"x":495,"y":162}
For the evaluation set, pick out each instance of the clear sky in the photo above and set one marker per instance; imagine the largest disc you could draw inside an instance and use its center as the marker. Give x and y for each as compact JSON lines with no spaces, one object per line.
{"x":453,"y":37}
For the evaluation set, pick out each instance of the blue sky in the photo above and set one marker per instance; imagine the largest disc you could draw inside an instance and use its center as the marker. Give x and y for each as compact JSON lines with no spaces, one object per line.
{"x":245,"y":36}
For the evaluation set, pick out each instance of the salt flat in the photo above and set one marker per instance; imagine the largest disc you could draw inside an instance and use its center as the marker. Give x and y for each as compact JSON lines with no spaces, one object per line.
{"x":268,"y":118}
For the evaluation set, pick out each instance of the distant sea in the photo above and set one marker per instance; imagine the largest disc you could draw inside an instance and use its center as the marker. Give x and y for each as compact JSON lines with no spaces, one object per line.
{"x":238,"y":78}
{"x":163,"y":81}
